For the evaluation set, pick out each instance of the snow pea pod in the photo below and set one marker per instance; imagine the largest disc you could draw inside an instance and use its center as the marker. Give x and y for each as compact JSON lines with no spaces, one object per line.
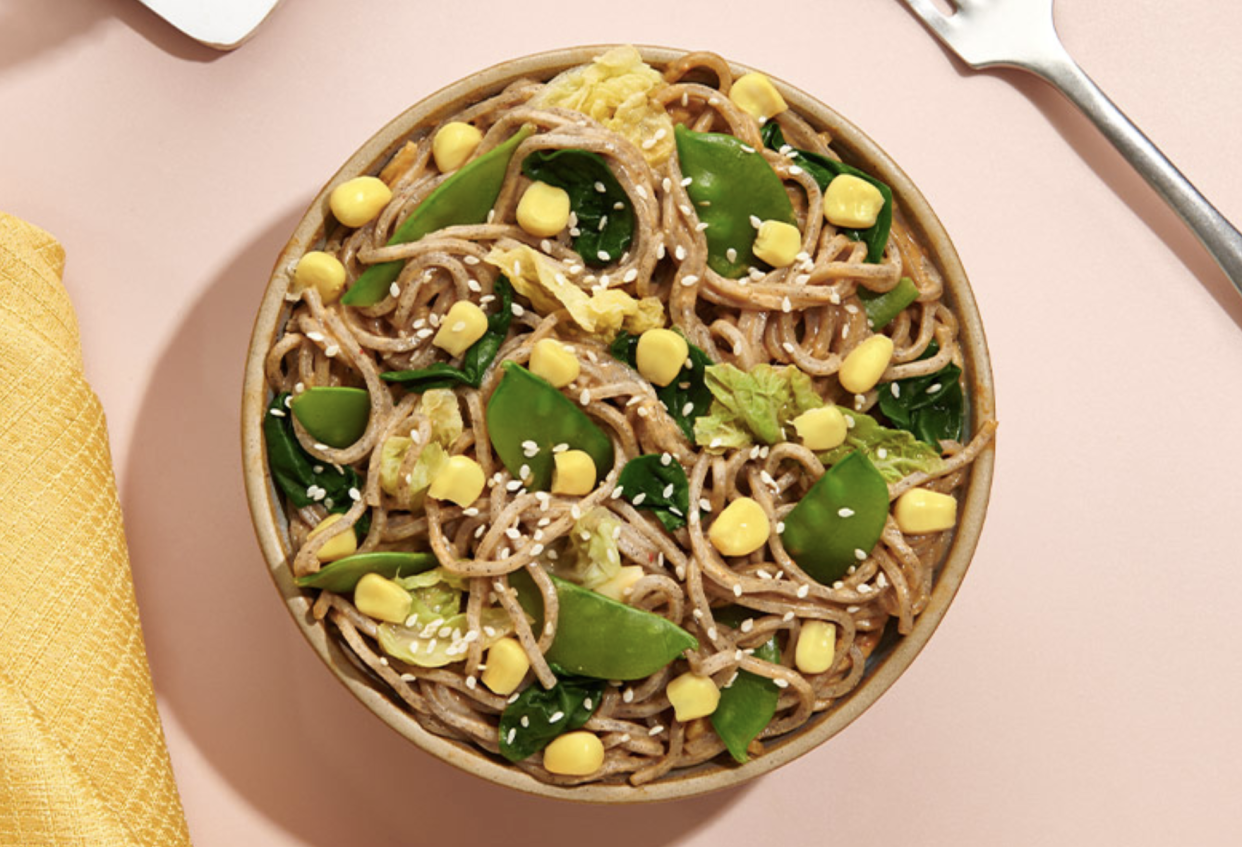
{"x":748,"y":704}
{"x":333,"y":414}
{"x":882,"y":308}
{"x":730,"y":183}
{"x":840,"y":517}
{"x":526,"y":408}
{"x":598,"y":637}
{"x":464,"y":198}
{"x":341,"y":576}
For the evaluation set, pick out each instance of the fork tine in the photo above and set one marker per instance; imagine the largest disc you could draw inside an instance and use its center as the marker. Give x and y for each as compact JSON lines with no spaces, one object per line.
{"x":933,"y":17}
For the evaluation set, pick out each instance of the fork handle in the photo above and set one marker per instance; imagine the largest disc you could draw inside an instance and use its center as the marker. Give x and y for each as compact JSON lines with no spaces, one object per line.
{"x":1214,"y":232}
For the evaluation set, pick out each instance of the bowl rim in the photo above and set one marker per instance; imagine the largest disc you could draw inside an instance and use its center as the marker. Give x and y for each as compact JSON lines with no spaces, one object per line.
{"x":269,"y":523}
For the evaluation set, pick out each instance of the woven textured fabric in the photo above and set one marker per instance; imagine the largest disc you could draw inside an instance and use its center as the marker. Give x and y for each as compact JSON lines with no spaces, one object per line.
{"x":82,"y":755}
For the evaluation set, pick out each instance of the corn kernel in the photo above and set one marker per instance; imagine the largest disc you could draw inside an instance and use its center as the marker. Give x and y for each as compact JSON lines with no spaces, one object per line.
{"x":574,"y":473}
{"x":321,"y":271}
{"x":380,"y":598}
{"x":356,"y":201}
{"x":574,"y":754}
{"x":817,"y":645}
{"x":821,"y":429}
{"x":552,"y":360}
{"x":507,"y":664}
{"x":619,"y":587}
{"x":851,"y":201}
{"x":460,"y":481}
{"x":865,"y":364}
{"x":778,"y":243}
{"x":692,"y":696}
{"x":660,"y":355}
{"x":921,"y":510}
{"x":453,"y":145}
{"x":755,"y":94}
{"x":543,"y":210}
{"x":741,"y":529}
{"x":338,"y":546}
{"x":464,"y":324}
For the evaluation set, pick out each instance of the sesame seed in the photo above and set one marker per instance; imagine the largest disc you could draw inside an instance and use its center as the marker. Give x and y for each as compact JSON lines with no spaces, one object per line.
{"x":745,"y":147}
{"x":895,"y":389}
{"x":603,"y":255}
{"x":666,"y":184}
{"x":394,"y":290}
{"x":458,"y":326}
{"x":603,"y":222}
{"x":660,"y":250}
{"x":794,"y":170}
{"x":630,"y":275}
{"x":627,"y":695}
{"x":705,"y":504}
{"x":803,"y":590}
{"x":881,"y":453}
{"x":787,"y":617}
{"x":639,"y":498}
{"x":845,"y":512}
{"x":471,"y":260}
{"x":864,"y":589}
{"x":599,"y":186}
{"x":331,"y":350}
{"x":788,"y":347}
{"x":711,"y":634}
{"x":737,"y":589}
{"x":512,"y":734}
{"x":786,"y":306}
{"x":616,"y":494}
{"x":731,"y":254}
{"x":517,"y":310}
{"x":655,"y":730}
{"x":513,"y":485}
{"x":780,"y":527}
{"x":277,"y":413}
{"x":860,"y":555}
{"x":479,"y":530}
{"x":354,"y":494}
{"x":852,"y":609}
{"x":933,"y":388}
{"x":755,"y":222}
{"x":686,"y":210}
{"x":680,"y":253}
{"x":471,"y":682}
{"x":556,"y":716}
{"x":433,"y":319}
{"x":780,"y":683}
{"x":315,"y":336}
{"x":585,"y":397}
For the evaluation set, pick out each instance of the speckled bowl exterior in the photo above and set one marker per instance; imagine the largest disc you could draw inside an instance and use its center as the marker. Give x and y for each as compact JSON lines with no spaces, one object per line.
{"x":884,"y":667}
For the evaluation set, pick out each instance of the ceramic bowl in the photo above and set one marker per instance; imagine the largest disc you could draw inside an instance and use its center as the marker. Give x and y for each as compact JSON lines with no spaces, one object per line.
{"x":885,"y":665}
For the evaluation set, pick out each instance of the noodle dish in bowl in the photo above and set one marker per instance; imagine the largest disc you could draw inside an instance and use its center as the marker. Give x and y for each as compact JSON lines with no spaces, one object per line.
{"x":618,"y":424}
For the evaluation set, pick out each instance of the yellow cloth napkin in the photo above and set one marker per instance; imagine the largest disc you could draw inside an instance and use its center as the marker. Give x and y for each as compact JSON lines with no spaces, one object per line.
{"x":82,"y":756}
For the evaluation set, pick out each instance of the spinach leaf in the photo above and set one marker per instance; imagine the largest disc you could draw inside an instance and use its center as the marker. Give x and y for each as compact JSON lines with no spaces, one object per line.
{"x":686,"y":397}
{"x":931,"y":407}
{"x":474,"y":362}
{"x":824,"y":170}
{"x":649,"y":478}
{"x":605,"y":217}
{"x":548,"y":713}
{"x":748,"y":704}
{"x":296,"y":472}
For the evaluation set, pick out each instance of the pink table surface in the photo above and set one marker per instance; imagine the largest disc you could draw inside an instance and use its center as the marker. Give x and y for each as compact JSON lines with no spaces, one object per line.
{"x":1085,"y":687}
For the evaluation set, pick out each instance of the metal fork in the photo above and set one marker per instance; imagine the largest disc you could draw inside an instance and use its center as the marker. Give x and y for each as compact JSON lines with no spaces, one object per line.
{"x":1021,"y":34}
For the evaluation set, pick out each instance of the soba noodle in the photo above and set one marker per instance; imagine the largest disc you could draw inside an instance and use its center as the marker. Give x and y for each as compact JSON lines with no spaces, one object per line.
{"x":807,"y":315}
